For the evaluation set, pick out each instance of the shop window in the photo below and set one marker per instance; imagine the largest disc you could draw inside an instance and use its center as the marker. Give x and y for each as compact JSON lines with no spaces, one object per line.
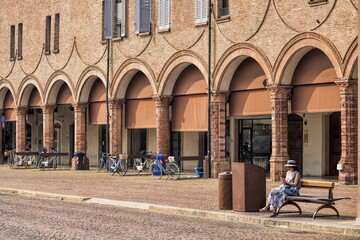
{"x":313,"y":3}
{"x":201,"y":11}
{"x":12,"y":42}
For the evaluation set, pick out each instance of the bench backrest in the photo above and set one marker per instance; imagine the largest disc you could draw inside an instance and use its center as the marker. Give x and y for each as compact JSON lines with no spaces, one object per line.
{"x":318,"y":184}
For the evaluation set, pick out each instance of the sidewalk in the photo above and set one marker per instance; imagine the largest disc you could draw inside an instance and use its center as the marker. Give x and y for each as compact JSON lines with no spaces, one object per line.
{"x":187,"y":196}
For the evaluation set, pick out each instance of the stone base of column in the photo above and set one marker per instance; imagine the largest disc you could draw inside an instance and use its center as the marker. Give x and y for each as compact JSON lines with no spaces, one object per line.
{"x":348,"y":176}
{"x":277,"y":168}
{"x":216,"y":168}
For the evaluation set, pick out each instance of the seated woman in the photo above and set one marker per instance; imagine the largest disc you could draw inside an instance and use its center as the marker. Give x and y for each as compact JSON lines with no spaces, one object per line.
{"x":290,"y":187}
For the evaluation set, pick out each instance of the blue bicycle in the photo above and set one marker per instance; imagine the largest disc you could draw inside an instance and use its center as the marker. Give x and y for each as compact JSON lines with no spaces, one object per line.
{"x":118,"y":165}
{"x":171,"y":169}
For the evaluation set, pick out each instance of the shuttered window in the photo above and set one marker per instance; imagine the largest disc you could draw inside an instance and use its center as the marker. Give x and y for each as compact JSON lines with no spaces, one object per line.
{"x":57,"y":33}
{"x":223,"y":8}
{"x":12,"y":42}
{"x":20,"y":40}
{"x":120,"y":18}
{"x":143,"y":14}
{"x":164,"y":14}
{"x":47,"y":34}
{"x":201,"y":11}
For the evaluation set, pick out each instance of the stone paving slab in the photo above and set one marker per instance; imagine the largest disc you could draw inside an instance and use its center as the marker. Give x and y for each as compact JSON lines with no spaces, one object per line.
{"x":343,"y":225}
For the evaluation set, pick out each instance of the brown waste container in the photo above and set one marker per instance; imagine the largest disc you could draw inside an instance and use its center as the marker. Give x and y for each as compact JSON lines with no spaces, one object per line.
{"x":249,"y":187}
{"x":225,"y":190}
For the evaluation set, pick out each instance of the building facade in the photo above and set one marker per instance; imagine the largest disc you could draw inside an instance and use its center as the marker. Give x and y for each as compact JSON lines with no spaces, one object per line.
{"x":283,"y":77}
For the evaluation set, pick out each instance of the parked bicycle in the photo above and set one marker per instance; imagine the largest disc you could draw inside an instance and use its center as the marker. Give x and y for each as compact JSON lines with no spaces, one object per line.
{"x":103,"y":163}
{"x":118,"y":164}
{"x":143,"y":166}
{"x":17,"y":160}
{"x":171,"y":169}
{"x":47,"y":161}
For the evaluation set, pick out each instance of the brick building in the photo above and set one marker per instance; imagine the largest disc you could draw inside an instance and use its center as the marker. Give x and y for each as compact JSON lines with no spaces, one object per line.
{"x":283,"y":80}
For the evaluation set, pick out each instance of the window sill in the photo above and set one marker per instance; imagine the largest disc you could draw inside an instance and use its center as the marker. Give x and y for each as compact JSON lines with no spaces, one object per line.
{"x":315,"y":3}
{"x":12,"y":59}
{"x":56,"y":51}
{"x":47,"y":52}
{"x":19,"y":58}
{"x":163,"y":30}
{"x":201,"y":24}
{"x":103,"y":42}
{"x":223,"y":19}
{"x":144,"y":34}
{"x":117,"y":39}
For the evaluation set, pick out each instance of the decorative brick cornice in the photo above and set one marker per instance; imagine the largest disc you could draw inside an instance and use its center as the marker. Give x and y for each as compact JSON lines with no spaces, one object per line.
{"x":80,"y":107}
{"x":48,"y":109}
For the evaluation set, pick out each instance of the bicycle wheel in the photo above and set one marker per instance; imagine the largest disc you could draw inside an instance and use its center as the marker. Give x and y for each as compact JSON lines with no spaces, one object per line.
{"x":146,"y":167}
{"x":122,"y":168}
{"x":173,"y":171}
{"x":138,"y":165}
{"x":100,"y":164}
{"x":156,"y":170}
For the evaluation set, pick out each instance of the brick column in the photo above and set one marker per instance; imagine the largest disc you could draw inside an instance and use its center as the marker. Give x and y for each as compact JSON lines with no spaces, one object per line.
{"x":162,"y":124}
{"x":80,"y":127}
{"x":348,"y":107}
{"x":21,"y":129}
{"x":116,"y":107}
{"x":279,"y":129}
{"x":48,"y":126}
{"x":218,"y":132}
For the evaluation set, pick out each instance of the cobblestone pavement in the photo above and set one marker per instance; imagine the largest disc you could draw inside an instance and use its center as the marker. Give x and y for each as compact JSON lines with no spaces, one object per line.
{"x":33,"y":218}
{"x":186,"y":192}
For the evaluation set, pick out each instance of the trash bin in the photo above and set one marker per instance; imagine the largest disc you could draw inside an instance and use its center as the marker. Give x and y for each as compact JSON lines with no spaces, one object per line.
{"x":80,"y":161}
{"x":225,"y":190}
{"x":249,"y":187}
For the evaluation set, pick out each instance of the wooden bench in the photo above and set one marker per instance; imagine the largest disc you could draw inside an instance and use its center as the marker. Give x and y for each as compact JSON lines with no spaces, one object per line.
{"x":326,"y":201}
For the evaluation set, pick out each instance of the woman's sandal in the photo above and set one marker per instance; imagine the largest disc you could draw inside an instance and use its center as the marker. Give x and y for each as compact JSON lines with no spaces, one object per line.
{"x":264,"y":209}
{"x":273,"y":215}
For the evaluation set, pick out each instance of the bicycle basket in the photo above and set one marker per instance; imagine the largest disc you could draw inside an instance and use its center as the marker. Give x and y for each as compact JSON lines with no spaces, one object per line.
{"x":171,"y":159}
{"x":123,"y":156}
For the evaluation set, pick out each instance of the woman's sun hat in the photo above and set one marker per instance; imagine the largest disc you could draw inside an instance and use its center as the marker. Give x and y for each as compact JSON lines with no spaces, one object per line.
{"x":290,"y":163}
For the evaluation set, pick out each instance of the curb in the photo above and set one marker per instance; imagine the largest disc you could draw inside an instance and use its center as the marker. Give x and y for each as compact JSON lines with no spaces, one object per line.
{"x":293,"y":224}
{"x":338,"y":227}
{"x":45,"y":195}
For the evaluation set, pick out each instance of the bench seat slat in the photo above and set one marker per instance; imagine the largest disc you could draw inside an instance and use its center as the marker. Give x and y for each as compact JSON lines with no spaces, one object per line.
{"x":318,"y":184}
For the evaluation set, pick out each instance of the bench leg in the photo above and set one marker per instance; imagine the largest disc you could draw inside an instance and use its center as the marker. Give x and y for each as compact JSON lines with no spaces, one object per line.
{"x":289,"y":203}
{"x":325,"y":206}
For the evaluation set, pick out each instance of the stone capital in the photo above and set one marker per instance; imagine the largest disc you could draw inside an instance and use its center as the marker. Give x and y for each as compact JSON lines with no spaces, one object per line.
{"x":347,"y":86}
{"x":220,"y":96}
{"x":79,"y":107}
{"x":162,"y":100}
{"x":48,"y":109}
{"x":279,"y":91}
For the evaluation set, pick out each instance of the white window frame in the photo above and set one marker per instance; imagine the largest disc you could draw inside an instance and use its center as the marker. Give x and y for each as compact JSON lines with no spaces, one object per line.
{"x":164,"y":14}
{"x":201,"y":11}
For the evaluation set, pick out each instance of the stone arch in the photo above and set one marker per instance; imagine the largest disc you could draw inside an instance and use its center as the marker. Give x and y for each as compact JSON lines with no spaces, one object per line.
{"x":126,"y":72}
{"x":86,"y":81}
{"x":53,"y":86}
{"x":232,"y":58}
{"x":296,"y":48}
{"x":26,"y":86}
{"x":175,"y":65}
{"x":350,"y":61}
{"x":5,"y":86}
